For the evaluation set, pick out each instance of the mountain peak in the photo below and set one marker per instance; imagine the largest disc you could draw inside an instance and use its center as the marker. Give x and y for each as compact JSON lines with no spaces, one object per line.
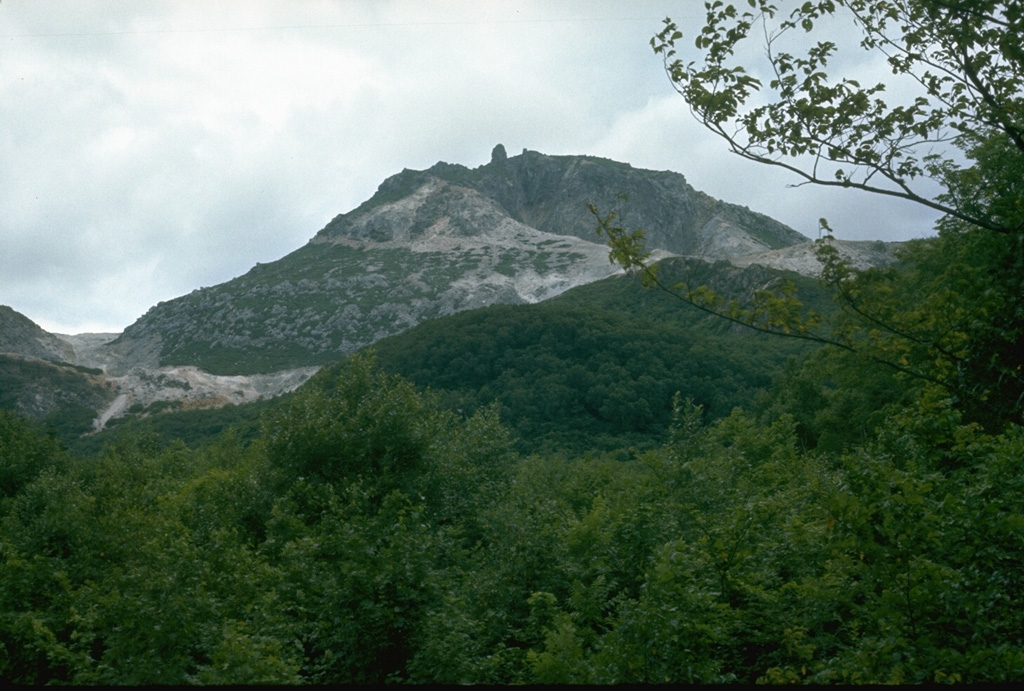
{"x":433,"y":242}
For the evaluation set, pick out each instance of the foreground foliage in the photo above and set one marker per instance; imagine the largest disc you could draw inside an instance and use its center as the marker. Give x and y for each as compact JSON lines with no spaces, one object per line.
{"x":368,"y":534}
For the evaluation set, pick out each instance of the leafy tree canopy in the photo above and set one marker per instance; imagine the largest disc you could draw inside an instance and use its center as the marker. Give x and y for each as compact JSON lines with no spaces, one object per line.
{"x":959,"y":67}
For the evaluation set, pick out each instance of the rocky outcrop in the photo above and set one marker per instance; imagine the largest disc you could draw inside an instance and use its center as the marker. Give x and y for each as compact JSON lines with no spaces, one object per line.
{"x":436,"y":250}
{"x":552,"y":194}
{"x":142,"y":390}
{"x":84,"y":378}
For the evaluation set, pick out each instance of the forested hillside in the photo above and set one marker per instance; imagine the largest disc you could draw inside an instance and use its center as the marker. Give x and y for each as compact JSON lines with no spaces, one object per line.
{"x":596,"y":368}
{"x":592,"y":370}
{"x":850,"y":525}
{"x":369,"y":534}
{"x":67,"y":398}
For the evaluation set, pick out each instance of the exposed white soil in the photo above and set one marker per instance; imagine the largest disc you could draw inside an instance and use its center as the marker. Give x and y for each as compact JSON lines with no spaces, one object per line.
{"x":191,"y":387}
{"x":116,"y":408}
{"x":568,"y":261}
{"x":85,"y":343}
{"x":721,"y":239}
{"x":139,"y":386}
{"x":802,"y":259}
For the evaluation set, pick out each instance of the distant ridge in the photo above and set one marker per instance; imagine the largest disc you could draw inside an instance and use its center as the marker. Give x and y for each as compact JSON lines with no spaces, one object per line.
{"x":22,"y":336}
{"x":552,"y":193}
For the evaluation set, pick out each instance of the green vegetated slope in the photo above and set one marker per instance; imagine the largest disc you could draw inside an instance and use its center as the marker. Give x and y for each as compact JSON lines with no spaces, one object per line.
{"x":596,"y":368}
{"x":592,"y":370}
{"x":370,"y":535}
{"x":19,"y":334}
{"x":302,"y":310}
{"x":37,"y":382}
{"x":365,"y":532}
{"x":171,"y":425}
{"x":320,"y":303}
{"x":65,"y":397}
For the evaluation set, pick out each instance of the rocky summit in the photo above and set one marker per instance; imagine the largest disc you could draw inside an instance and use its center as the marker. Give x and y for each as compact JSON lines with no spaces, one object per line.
{"x":552,"y":194}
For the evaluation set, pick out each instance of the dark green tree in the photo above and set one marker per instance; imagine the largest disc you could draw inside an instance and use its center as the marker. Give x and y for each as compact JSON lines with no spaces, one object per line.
{"x":349,"y":422}
{"x":25,"y":451}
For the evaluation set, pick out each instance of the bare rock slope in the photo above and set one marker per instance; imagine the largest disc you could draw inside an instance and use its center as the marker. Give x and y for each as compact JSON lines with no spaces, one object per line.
{"x":803,"y":260}
{"x":21,"y":335}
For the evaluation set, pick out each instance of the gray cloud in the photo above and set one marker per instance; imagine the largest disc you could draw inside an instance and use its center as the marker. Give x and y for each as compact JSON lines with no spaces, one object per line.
{"x":154,"y":147}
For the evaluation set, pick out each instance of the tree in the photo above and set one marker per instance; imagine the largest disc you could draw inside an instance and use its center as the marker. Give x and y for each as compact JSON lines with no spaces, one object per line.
{"x":951,"y":316}
{"x":352,"y":421}
{"x":902,"y":539}
{"x":961,"y":60}
{"x":24,"y":453}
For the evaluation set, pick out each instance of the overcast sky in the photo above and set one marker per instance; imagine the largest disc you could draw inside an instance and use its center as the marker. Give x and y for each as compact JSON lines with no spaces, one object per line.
{"x":151,"y":147}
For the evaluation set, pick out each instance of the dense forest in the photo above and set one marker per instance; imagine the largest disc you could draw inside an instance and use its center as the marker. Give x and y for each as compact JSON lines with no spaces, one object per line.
{"x":833,"y":495}
{"x":832,"y":530}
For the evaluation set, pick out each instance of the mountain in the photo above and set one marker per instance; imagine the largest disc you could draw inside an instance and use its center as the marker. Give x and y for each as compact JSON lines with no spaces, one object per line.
{"x":594,"y":368}
{"x":76,"y":384}
{"x":552,"y":194}
{"x":432,"y":243}
{"x":67,"y":397}
{"x":426,"y":245}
